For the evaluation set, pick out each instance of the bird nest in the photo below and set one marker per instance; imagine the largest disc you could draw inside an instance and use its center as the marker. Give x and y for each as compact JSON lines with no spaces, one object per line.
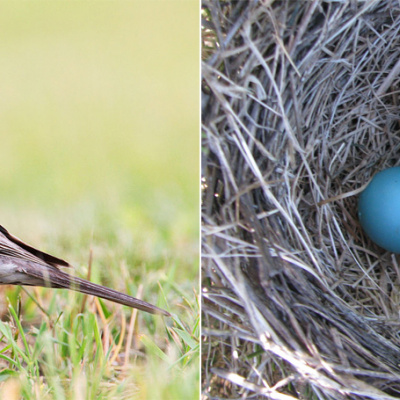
{"x":300,"y":108}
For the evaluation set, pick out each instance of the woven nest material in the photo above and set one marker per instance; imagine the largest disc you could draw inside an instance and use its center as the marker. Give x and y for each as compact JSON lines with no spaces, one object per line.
{"x":300,"y":109}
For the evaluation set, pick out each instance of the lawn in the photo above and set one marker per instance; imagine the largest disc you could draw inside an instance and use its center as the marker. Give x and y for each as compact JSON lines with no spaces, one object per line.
{"x":100,"y":163}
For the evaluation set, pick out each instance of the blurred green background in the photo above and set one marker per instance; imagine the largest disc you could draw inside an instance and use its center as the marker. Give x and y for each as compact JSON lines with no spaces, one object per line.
{"x":99,"y":122}
{"x":99,"y":150}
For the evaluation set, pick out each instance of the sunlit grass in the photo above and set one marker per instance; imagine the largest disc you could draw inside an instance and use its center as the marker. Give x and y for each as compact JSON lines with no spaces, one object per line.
{"x":79,"y":355}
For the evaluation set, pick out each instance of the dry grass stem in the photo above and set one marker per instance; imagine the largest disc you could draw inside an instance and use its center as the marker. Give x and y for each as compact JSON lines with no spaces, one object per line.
{"x":300,"y":109}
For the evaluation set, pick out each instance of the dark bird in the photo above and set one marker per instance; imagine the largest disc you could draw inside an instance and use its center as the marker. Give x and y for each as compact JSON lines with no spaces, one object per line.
{"x":21,"y":264}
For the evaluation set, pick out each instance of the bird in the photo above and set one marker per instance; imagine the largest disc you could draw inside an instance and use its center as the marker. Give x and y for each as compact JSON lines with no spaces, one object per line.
{"x":22,"y":264}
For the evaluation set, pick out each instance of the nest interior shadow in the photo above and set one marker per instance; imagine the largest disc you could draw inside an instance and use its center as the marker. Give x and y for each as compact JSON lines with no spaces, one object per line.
{"x":300,"y":108}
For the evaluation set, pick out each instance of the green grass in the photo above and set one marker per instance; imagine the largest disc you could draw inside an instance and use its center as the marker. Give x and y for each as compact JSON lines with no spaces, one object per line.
{"x":99,"y":154}
{"x":71,"y":355}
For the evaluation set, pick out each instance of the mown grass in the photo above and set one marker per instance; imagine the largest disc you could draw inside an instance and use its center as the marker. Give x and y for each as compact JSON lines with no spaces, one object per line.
{"x":99,"y":152}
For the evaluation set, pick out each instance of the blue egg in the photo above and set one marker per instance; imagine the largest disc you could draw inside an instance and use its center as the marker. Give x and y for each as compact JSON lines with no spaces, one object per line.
{"x":379,"y":209}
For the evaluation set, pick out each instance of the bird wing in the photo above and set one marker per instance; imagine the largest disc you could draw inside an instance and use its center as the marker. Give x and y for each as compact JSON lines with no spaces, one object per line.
{"x":12,"y":246}
{"x":36,"y":268}
{"x":59,"y":279}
